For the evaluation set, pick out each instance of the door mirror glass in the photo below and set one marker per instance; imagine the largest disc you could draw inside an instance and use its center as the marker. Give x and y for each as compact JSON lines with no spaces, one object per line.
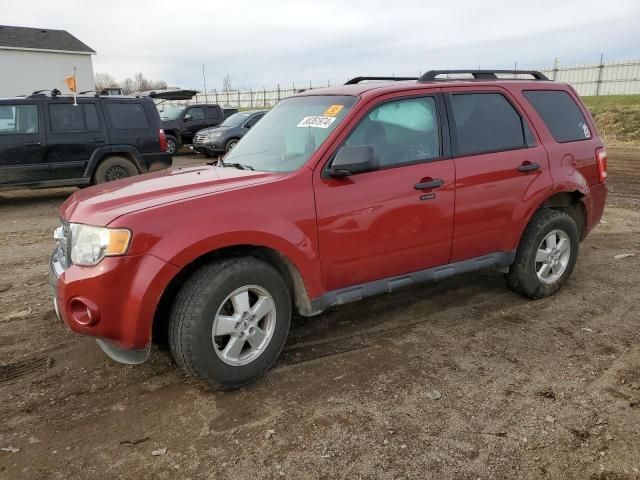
{"x":353,"y":159}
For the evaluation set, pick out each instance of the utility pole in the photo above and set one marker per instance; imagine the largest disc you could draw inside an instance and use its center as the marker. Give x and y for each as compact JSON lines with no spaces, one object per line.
{"x":204,"y":81}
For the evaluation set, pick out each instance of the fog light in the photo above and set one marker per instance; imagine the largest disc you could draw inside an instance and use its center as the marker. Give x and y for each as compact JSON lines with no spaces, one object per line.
{"x":84,"y":312}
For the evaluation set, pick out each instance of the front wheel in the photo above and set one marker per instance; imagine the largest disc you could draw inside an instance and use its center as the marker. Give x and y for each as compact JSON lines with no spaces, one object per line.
{"x":546,"y":255}
{"x":230,"y":322}
{"x":230,"y":145}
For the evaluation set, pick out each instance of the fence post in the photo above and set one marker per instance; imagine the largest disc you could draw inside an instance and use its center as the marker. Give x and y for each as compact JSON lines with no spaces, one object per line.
{"x":250,"y":98}
{"x":555,"y":69}
{"x":264,"y":97}
{"x":600,"y":69}
{"x":278,"y":92}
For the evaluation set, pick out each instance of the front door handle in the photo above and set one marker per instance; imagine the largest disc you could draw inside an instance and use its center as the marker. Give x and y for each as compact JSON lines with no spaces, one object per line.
{"x":528,"y":167}
{"x":96,"y":140}
{"x":428,"y":185}
{"x":31,"y":144}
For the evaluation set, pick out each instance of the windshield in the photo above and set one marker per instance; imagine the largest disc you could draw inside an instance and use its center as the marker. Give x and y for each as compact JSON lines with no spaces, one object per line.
{"x":235,"y":120}
{"x":170,"y":112}
{"x":291,"y":132}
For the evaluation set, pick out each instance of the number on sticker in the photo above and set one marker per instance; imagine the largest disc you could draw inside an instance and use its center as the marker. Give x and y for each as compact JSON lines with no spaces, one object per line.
{"x":317,"y":122}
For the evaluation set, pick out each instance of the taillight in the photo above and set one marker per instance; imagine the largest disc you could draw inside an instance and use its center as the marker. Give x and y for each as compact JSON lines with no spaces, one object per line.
{"x":162,"y":138}
{"x":601,"y":162}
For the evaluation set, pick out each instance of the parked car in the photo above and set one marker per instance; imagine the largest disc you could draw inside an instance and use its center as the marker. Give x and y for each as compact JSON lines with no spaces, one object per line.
{"x":47,"y":141}
{"x":219,"y":140}
{"x":181,"y":123}
{"x":336,"y":195}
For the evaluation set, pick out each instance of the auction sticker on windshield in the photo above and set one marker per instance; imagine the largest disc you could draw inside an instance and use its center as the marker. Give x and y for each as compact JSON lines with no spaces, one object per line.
{"x":317,"y":122}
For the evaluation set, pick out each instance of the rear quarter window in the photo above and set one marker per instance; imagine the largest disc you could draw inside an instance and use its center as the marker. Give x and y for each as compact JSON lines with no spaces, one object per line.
{"x":127,"y":116}
{"x":560,"y":113}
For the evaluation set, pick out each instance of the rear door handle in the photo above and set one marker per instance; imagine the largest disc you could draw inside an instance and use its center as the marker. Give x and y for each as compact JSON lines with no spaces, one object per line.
{"x":31,"y":144}
{"x":528,"y":167}
{"x":427,"y":185}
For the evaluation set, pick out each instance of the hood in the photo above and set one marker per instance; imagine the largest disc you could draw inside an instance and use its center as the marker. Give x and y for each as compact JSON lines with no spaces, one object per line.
{"x":102,"y":204}
{"x":219,"y":128}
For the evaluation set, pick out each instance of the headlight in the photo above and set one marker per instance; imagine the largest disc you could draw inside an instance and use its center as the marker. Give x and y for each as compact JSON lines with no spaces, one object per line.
{"x":89,"y":244}
{"x":215,"y":134}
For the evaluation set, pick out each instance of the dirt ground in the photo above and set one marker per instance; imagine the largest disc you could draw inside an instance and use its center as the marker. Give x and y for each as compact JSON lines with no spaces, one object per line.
{"x":457,"y":380}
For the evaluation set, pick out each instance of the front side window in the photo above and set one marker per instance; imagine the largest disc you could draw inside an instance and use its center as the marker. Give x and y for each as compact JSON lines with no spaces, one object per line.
{"x":127,"y":116}
{"x":253,"y":120}
{"x":286,"y":137}
{"x":196,"y":114}
{"x":18,"y":119}
{"x":486,"y":122}
{"x":401,"y":131}
{"x":66,"y":117}
{"x":560,"y":114}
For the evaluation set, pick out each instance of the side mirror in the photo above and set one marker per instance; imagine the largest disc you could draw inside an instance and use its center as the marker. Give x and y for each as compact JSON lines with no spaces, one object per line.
{"x":188,"y":117}
{"x":353,"y":159}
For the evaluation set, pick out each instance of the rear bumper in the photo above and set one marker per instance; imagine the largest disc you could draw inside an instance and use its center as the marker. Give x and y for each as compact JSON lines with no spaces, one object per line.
{"x":114,"y":301}
{"x":157,"y":161}
{"x":594,"y":203}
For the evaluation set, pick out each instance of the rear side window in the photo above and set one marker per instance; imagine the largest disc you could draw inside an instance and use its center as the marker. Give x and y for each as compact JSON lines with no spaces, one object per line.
{"x":213,"y":113}
{"x":487,"y":122}
{"x":560,"y":113}
{"x":91,"y":117}
{"x":127,"y":116}
{"x":18,"y":119}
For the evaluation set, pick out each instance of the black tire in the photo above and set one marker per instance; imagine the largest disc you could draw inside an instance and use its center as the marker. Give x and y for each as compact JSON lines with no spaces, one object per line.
{"x":230,"y":145}
{"x":114,"y":168}
{"x":522,"y":277}
{"x":197,"y":303}
{"x":173,"y":146}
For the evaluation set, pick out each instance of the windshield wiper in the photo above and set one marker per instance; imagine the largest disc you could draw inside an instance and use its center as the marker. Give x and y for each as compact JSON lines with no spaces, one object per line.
{"x":239,"y":166}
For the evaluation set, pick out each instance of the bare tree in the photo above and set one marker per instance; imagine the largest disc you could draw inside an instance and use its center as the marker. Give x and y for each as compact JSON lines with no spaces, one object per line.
{"x":226,"y":83}
{"x":104,"y":80}
{"x":128,"y":86}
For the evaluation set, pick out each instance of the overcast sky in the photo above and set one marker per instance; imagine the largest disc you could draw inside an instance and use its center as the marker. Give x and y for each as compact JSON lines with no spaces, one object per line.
{"x":263,"y":43}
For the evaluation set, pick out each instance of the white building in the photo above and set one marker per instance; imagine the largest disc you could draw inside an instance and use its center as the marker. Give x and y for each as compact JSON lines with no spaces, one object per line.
{"x":40,"y":59}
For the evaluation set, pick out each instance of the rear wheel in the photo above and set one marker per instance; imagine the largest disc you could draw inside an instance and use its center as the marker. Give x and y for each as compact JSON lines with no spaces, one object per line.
{"x":546,"y":255}
{"x":230,"y":321}
{"x":172,"y":145}
{"x":114,"y":168}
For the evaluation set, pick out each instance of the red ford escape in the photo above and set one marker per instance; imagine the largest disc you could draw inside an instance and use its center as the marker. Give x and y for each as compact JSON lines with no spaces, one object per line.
{"x":337,"y":194}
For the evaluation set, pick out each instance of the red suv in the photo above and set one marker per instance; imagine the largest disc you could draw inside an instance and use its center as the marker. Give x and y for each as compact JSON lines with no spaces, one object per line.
{"x":337,"y":194}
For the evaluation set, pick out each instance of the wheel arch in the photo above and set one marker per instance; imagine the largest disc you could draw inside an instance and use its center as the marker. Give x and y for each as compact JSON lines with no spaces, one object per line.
{"x":569,"y":201}
{"x":290,"y":273}
{"x":100,"y":154}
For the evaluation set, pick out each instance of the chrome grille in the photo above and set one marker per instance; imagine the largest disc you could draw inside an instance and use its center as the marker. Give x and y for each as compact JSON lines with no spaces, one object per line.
{"x":200,"y":138}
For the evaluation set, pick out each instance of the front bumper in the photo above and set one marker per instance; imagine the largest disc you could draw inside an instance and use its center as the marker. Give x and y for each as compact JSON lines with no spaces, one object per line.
{"x":208,"y":148}
{"x":114,"y":301}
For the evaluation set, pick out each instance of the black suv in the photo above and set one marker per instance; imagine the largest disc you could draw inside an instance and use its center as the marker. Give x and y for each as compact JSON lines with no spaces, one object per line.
{"x":181,"y":123}
{"x":48,"y":141}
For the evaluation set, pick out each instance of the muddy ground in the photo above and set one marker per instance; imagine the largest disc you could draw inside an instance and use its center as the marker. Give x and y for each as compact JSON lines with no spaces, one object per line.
{"x":460,"y":379}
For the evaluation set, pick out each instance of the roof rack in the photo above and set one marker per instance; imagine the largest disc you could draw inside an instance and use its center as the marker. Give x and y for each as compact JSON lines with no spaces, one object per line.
{"x":356,"y":80}
{"x":480,"y":74}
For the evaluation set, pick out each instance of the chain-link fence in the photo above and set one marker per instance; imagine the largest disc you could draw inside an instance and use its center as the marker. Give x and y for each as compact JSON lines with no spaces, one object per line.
{"x":604,"y":78}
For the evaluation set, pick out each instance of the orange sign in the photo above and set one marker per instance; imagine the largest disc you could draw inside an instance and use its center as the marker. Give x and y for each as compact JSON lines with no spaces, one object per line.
{"x":333,"y":110}
{"x":71,"y":83}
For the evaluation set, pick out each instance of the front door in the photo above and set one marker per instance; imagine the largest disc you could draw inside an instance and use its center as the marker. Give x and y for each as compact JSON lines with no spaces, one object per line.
{"x":399,"y":218}
{"x":22,"y":144}
{"x":501,"y":171}
{"x":194,"y":120}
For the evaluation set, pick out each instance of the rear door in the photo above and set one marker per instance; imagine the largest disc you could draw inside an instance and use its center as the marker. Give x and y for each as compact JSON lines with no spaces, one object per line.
{"x":22,"y":143}
{"x":399,"y":218}
{"x":74,"y":132}
{"x":214,"y":115}
{"x":501,"y":170}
